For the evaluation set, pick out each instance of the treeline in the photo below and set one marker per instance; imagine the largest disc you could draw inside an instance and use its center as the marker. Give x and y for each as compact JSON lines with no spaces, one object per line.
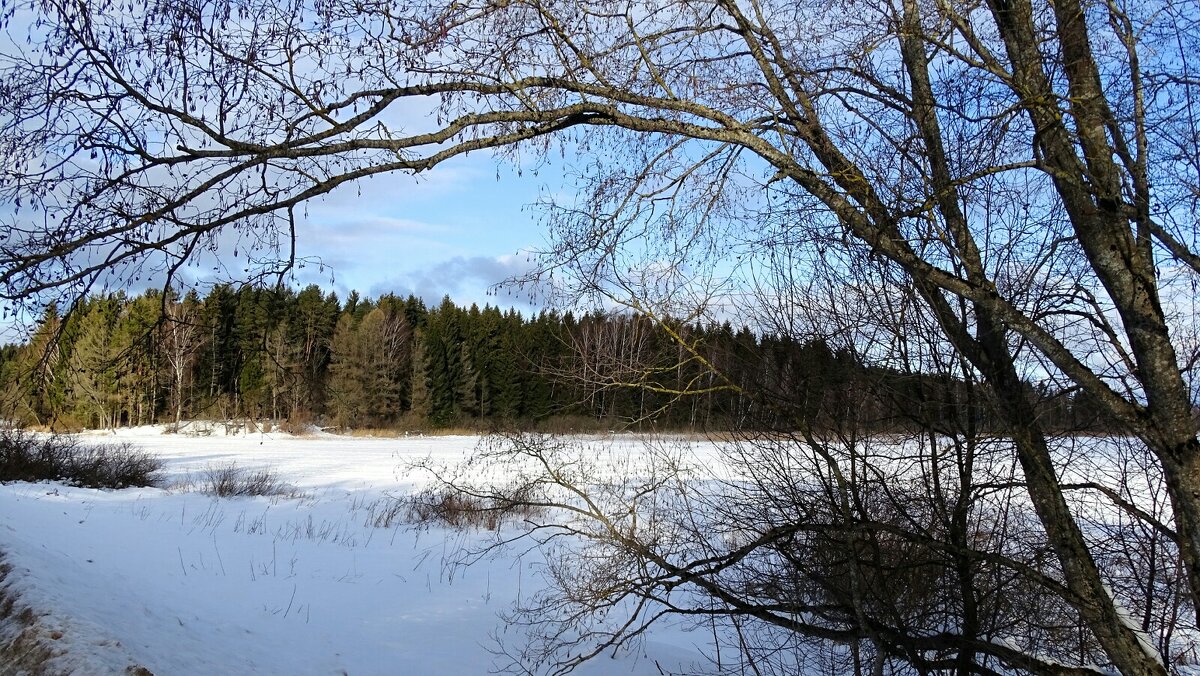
{"x":306,"y":357}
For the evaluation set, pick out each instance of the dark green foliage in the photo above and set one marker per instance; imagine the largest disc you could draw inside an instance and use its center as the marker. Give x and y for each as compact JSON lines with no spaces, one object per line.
{"x":447,"y":365}
{"x":28,"y":457}
{"x":303,"y":357}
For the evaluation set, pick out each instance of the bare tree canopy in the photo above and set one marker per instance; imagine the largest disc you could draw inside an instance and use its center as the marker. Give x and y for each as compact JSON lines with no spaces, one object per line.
{"x":1028,"y":168}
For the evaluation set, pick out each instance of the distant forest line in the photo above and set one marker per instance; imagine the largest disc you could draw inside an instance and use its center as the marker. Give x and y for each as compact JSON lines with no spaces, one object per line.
{"x":305,"y":357}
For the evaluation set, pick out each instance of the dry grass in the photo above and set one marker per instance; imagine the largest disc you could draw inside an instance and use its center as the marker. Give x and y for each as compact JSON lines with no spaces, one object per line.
{"x":63,"y":424}
{"x":299,"y":426}
{"x":370,"y":432}
{"x":229,"y":480}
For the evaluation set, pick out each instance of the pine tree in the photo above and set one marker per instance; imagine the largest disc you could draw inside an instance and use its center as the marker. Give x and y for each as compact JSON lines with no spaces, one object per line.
{"x":92,"y":364}
{"x":253,"y":322}
{"x":504,"y":333}
{"x":347,"y":368}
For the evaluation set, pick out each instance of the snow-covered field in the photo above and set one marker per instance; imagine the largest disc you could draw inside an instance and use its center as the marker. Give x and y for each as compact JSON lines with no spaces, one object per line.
{"x":176,"y":581}
{"x":179,"y":582}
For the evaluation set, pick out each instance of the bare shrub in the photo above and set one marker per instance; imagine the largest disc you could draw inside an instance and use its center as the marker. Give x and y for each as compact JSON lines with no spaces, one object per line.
{"x":229,"y":480}
{"x":860,"y":535}
{"x":298,"y":425}
{"x":114,"y":466}
{"x":447,"y":506}
{"x":31,"y":457}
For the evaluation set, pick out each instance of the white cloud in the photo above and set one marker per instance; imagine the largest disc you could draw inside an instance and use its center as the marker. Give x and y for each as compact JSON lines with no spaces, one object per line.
{"x":474,"y":279}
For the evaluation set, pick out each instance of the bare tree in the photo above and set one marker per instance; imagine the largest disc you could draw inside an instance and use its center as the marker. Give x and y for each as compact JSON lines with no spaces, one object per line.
{"x":1026,"y":166}
{"x":182,"y":338}
{"x":872,"y":543}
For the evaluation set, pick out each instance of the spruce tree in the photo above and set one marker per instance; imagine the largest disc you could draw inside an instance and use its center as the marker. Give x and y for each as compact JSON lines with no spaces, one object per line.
{"x":347,"y":395}
{"x":420,"y":406}
{"x":92,"y":364}
{"x":444,"y":363}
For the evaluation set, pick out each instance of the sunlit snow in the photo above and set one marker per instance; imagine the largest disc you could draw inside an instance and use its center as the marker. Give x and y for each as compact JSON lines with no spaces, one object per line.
{"x":182,"y":583}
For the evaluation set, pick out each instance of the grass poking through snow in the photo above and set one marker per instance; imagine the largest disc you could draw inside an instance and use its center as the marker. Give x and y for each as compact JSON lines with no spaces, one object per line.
{"x":228,"y":480}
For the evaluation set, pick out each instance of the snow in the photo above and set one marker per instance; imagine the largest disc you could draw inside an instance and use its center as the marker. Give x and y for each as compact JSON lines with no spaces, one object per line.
{"x":1126,"y":618}
{"x":182,"y":583}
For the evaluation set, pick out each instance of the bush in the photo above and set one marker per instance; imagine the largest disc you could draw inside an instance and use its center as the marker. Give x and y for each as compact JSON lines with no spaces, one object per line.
{"x":447,"y":506}
{"x":32,"y":457}
{"x":229,"y":480}
{"x":297,"y":425}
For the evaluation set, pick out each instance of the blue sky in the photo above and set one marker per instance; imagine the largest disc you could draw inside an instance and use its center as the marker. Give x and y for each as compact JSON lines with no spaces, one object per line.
{"x":458,"y":229}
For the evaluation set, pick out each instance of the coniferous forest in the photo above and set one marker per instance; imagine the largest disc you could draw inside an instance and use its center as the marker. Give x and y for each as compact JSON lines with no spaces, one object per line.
{"x":307,"y":357}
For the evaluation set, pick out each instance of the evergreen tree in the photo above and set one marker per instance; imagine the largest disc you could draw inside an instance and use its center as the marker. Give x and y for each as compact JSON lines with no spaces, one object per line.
{"x":347,"y":373}
{"x":220,"y":363}
{"x":370,"y":369}
{"x":372,"y":363}
{"x":313,"y":320}
{"x":444,"y":363}
{"x":255,"y":315}
{"x":18,"y":400}
{"x":421,"y":405}
{"x":92,"y":364}
{"x":143,"y":380}
{"x":46,"y":366}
